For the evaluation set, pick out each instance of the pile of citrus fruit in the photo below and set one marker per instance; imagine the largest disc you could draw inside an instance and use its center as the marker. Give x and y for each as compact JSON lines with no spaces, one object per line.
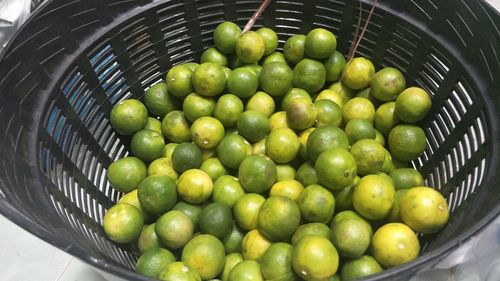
{"x":264,"y":165}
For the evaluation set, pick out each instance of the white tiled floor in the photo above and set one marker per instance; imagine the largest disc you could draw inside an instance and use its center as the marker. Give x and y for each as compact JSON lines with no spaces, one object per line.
{"x":24,"y":257}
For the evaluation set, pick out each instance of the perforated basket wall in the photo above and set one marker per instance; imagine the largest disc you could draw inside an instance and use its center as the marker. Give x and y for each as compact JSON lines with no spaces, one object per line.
{"x":73,"y":60}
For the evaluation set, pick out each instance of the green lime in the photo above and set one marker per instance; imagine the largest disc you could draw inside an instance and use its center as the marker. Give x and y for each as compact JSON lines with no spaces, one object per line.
{"x":276,"y":78}
{"x":214,"y":168}
{"x":242,"y":82}
{"x":233,"y":149}
{"x":216,"y":219}
{"x":294,"y":93}
{"x":246,"y":210}
{"x":153,"y":124}
{"x":341,"y":89}
{"x":195,"y":186}
{"x":336,"y":168}
{"x":328,"y":113}
{"x":285,"y":172}
{"x":405,"y":178}
{"x":186,"y":156}
{"x":213,"y":55}
{"x":288,"y":188}
{"x":191,"y":65}
{"x":250,"y":47}
{"x":227,"y":190}
{"x":232,"y":241}
{"x":306,"y":174}
{"x":205,"y":254}
{"x":247,"y":270}
{"x":394,"y":244}
{"x":195,"y":106}
{"x":350,"y":237}
{"x":313,"y":228}
{"x":358,"y":268}
{"x":158,"y":101}
{"x":324,"y":138}
{"x":358,"y":108}
{"x":334,"y":66}
{"x":225,"y":36}
{"x":413,"y":104}
{"x":301,"y":114}
{"x":343,"y":197}
{"x":395,"y":215}
{"x":387,"y":83}
{"x":406,"y":142}
{"x":359,"y":129}
{"x":379,"y":138}
{"x":153,"y":262}
{"x":262,"y":102}
{"x":309,"y":75}
{"x":128,"y":117}
{"x":294,"y":48}
{"x":209,"y":79}
{"x":358,"y":73}
{"x":157,"y":194}
{"x":253,"y":125}
{"x":123,"y":223}
{"x":424,"y":209}
{"x":316,"y":204}
{"x":278,"y":218}
{"x":257,"y":173}
{"x":373,"y":196}
{"x":369,"y":156}
{"x":148,"y":239}
{"x":320,"y":44}
{"x":126,"y":173}
{"x":228,"y":110}
{"x":315,"y":258}
{"x":147,"y":145}
{"x":175,"y":127}
{"x":366,"y":94}
{"x":274,"y":57}
{"x":179,"y":81}
{"x":193,"y":211}
{"x":282,"y":145}
{"x":174,"y":229}
{"x":385,"y":118}
{"x":276,"y":264}
{"x":270,"y":39}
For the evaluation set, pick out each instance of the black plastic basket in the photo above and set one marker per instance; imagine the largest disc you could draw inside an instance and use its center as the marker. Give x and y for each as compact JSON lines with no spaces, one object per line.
{"x":64,"y":70}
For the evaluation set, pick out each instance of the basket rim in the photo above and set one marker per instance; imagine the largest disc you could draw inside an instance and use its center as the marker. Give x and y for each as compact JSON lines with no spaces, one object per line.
{"x":20,"y":219}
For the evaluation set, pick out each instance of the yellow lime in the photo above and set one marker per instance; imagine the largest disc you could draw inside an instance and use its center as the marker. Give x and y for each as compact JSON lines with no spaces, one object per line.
{"x":205,"y":254}
{"x":278,"y":121}
{"x":394,"y":244}
{"x":315,"y":258}
{"x":123,"y":223}
{"x":254,"y":245}
{"x":262,"y":102}
{"x":207,"y":132}
{"x":282,"y":145}
{"x":209,"y":79}
{"x":246,"y":210}
{"x":373,"y":197}
{"x":424,"y":209}
{"x":175,"y":127}
{"x":148,"y":239}
{"x":247,"y":270}
{"x":303,"y":137}
{"x":358,"y":73}
{"x":288,"y":188}
{"x":250,"y":47}
{"x":195,"y":106}
{"x":195,"y":186}
{"x":301,"y":113}
{"x":413,"y":104}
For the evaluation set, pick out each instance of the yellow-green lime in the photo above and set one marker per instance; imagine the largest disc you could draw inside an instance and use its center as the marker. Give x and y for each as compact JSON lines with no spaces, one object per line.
{"x":358,"y":268}
{"x":233,"y":149}
{"x":186,"y":156}
{"x":334,"y":66}
{"x":205,"y":254}
{"x":303,"y":137}
{"x":147,"y":145}
{"x":207,"y":132}
{"x":395,"y":244}
{"x":225,"y":36}
{"x":195,"y":106}
{"x":213,"y":55}
{"x":324,"y":138}
{"x":179,"y":81}
{"x":358,"y":108}
{"x":242,"y":82}
{"x":301,"y":113}
{"x":316,"y":204}
{"x":195,"y":186}
{"x":246,"y":210}
{"x":288,"y":188}
{"x":278,"y":218}
{"x":175,"y":127}
{"x":253,"y":125}
{"x":147,"y":239}
{"x":191,"y":65}
{"x":174,"y":229}
{"x":259,"y":147}
{"x":350,"y":237}
{"x":395,"y":215}
{"x":385,"y":118}
{"x":313,"y":228}
{"x":214,"y":168}
{"x":369,"y":156}
{"x":257,"y":173}
{"x":123,"y":223}
{"x":343,"y":197}
{"x":274,"y":57}
{"x":209,"y":79}
{"x":358,"y":73}
{"x":254,"y":245}
{"x":309,"y":75}
{"x":276,"y":78}
{"x":278,"y":121}
{"x":228,"y":109}
{"x":178,"y":271}
{"x":227,"y":190}
{"x":315,"y":258}
{"x":250,"y":47}
{"x":231,"y":261}
{"x":193,"y":211}
{"x":152,"y":262}
{"x":158,"y":101}
{"x":320,"y":44}
{"x":329,"y":94}
{"x":424,"y":209}
{"x":379,"y":138}
{"x":126,"y":173}
{"x":328,"y":113}
{"x":373,"y":197}
{"x":232,"y":241}
{"x":306,"y":174}
{"x":128,"y":117}
{"x":247,"y":270}
{"x":157,"y":194}
{"x":285,"y":172}
{"x":413,"y":104}
{"x":406,"y":142}
{"x":270,"y":39}
{"x":387,"y":83}
{"x":405,"y":178}
{"x":342,"y":90}
{"x":153,"y":124}
{"x":294,"y":48}
{"x":276,"y":264}
{"x":282,"y":145}
{"x":262,"y":102}
{"x":358,"y":129}
{"x":293,"y":93}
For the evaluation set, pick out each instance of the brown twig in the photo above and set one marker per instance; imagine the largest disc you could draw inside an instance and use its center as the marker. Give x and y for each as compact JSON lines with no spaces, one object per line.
{"x":256,"y":15}
{"x":358,"y":40}
{"x":356,"y":32}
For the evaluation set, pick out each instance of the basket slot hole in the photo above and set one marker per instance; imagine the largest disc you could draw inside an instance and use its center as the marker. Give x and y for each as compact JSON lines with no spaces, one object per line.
{"x":426,"y":7}
{"x":457,"y":33}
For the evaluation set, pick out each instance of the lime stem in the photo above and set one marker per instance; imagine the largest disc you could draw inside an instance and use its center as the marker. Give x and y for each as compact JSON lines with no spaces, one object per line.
{"x":256,"y":15}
